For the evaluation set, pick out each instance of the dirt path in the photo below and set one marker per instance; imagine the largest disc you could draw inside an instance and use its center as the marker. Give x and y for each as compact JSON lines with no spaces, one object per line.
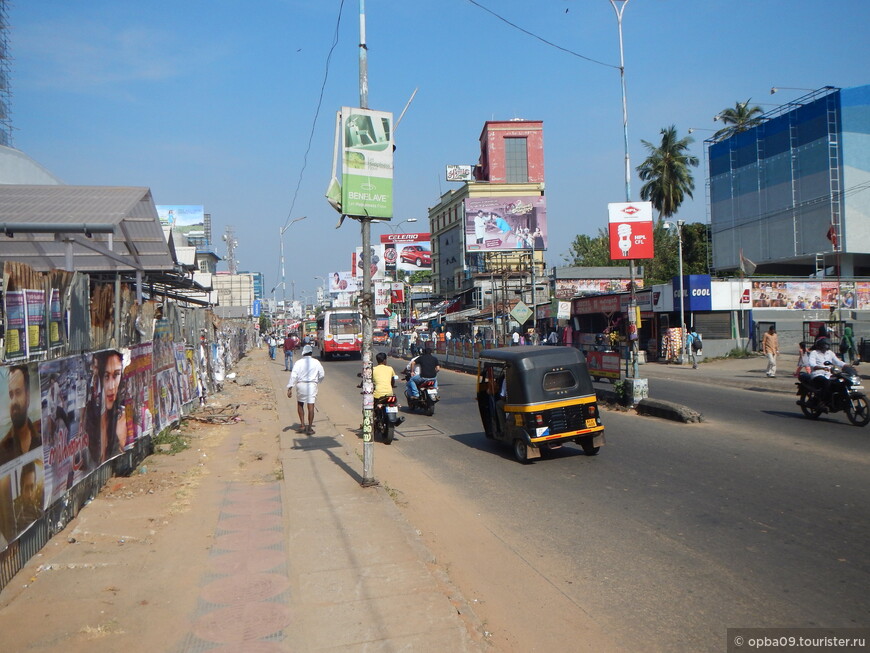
{"x":119,"y":576}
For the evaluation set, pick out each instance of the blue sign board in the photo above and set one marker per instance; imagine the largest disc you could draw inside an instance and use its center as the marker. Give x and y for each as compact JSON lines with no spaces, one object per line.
{"x":256,"y":308}
{"x":697,"y":293}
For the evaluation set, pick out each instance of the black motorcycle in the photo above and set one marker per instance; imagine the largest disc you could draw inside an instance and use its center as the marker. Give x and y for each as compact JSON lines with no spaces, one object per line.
{"x":845,"y":392}
{"x":386,"y":418}
{"x":426,"y":399}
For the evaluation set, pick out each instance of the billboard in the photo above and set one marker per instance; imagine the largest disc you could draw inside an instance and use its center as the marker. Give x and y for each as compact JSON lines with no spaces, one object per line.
{"x":367,"y":164}
{"x":495,"y":224}
{"x":568,"y":288}
{"x":344,"y":281}
{"x":188,"y":219}
{"x":406,"y":252}
{"x":376,"y":260}
{"x":631,"y":230}
{"x":459,"y":173}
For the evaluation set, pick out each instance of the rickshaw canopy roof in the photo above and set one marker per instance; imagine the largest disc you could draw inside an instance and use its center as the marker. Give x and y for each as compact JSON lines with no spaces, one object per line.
{"x":526,"y":367}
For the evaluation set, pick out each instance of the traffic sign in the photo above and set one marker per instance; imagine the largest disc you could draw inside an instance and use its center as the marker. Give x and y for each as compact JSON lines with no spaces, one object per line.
{"x":521,"y":313}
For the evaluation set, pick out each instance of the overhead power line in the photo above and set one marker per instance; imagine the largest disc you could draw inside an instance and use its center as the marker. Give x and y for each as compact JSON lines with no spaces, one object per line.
{"x":541,"y":39}
{"x":317,"y":111}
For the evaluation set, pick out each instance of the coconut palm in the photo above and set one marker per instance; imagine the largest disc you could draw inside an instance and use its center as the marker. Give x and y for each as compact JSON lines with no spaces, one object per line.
{"x":738,"y":119}
{"x":666,"y":172}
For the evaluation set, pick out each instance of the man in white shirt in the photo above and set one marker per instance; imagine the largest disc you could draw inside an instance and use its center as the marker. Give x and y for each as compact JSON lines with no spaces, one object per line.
{"x":306,"y":375}
{"x":821,"y":361}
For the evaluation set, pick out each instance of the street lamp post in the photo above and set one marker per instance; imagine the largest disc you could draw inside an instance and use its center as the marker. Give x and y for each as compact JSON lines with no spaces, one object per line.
{"x":679,"y":226}
{"x":283,"y":278}
{"x":633,"y":303}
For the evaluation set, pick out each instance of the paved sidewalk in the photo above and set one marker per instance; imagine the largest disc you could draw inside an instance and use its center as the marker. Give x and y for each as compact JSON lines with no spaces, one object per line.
{"x":359,"y":572}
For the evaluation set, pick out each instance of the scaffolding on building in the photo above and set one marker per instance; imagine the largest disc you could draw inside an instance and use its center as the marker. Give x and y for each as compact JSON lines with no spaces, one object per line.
{"x":5,"y":91}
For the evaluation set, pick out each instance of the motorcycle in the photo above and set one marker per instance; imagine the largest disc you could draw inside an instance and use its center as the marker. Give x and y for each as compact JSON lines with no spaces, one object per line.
{"x":386,"y":418}
{"x":845,"y":393}
{"x":426,"y":400}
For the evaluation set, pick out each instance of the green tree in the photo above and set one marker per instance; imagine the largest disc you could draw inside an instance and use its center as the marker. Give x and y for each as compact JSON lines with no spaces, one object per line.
{"x":420,"y":276}
{"x":591,"y":251}
{"x":666,"y":172}
{"x":738,"y":119}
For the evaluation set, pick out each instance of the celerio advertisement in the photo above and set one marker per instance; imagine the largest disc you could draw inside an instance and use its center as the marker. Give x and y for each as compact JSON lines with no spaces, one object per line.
{"x":367,"y":164}
{"x":406,"y":252}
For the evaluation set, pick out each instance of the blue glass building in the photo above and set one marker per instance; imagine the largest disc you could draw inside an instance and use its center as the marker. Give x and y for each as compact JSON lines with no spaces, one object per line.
{"x":787,"y":190}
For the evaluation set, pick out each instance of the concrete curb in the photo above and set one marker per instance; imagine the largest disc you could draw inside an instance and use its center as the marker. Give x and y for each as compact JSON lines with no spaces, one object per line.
{"x":668,"y":410}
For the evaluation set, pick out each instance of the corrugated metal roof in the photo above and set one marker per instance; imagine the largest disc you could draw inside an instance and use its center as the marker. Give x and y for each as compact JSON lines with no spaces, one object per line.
{"x":137,"y":242}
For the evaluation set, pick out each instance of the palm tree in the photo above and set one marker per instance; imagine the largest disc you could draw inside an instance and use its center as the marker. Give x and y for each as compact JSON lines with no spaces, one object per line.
{"x":738,"y":119}
{"x":666,"y":172}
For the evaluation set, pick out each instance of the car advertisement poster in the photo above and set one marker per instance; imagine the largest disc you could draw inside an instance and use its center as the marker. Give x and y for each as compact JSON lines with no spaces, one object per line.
{"x":407,"y":252}
{"x":367,"y":164}
{"x":495,"y":224}
{"x":631,"y":230}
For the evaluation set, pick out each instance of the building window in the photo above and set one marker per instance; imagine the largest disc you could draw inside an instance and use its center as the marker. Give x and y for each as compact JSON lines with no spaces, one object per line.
{"x":516,"y":157}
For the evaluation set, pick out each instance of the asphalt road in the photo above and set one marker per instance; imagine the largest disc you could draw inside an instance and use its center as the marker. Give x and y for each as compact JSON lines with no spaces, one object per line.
{"x":674,"y":532}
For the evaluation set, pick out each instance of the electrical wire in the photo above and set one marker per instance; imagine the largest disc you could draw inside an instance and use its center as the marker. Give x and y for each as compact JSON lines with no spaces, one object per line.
{"x":541,"y":39}
{"x":316,"y":112}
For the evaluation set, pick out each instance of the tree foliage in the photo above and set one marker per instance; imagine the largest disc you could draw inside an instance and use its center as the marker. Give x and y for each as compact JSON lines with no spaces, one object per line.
{"x":594,"y":251}
{"x":666,"y":172}
{"x":738,"y":119}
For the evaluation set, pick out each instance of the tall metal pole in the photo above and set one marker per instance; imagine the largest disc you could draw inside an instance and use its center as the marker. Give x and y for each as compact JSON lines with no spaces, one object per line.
{"x":283,"y":278}
{"x":366,"y":303}
{"x":633,"y":304}
{"x":682,"y":292}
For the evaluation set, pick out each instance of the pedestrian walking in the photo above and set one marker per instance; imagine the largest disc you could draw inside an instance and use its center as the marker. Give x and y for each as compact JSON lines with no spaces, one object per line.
{"x":694,"y":345}
{"x":291,"y":342}
{"x":515,"y":338}
{"x":770,"y":347}
{"x":273,"y":344}
{"x":847,"y":346}
{"x":306,"y":375}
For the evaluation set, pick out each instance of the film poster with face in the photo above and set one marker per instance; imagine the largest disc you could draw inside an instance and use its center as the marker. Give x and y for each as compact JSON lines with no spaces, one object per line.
{"x":22,"y":477}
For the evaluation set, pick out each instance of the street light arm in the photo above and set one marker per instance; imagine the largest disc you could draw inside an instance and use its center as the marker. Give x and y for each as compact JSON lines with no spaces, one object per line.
{"x":288,"y":224}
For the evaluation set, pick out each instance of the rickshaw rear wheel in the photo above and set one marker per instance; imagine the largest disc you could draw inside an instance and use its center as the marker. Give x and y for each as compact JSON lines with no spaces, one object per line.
{"x":521,"y":451}
{"x":588,"y":448}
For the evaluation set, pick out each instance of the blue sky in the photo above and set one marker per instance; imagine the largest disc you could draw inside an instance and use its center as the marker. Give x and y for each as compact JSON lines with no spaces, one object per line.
{"x":213,"y":102}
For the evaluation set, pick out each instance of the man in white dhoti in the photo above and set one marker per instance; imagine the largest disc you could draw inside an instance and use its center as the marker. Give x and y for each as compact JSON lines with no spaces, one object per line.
{"x":306,"y":374}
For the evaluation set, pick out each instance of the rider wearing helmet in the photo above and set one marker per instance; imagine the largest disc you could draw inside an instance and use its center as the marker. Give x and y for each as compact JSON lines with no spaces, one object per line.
{"x":821,"y":361}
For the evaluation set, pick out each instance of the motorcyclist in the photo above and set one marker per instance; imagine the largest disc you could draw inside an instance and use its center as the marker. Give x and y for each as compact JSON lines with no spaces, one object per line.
{"x":424,"y":368}
{"x":821,"y":360}
{"x":384,"y":377}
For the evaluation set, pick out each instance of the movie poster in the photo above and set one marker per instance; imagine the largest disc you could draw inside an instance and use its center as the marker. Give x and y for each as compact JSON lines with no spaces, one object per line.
{"x":22,"y":481}
{"x":56,"y":331}
{"x":66,"y":384}
{"x":16,"y":325}
{"x":139,"y":380}
{"x":37,"y":337}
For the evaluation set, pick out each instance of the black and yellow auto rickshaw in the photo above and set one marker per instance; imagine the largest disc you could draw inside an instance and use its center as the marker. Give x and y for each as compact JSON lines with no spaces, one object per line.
{"x":535,"y":398}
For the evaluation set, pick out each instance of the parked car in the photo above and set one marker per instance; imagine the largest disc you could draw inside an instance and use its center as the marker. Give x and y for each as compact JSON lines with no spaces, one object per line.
{"x":417,"y":255}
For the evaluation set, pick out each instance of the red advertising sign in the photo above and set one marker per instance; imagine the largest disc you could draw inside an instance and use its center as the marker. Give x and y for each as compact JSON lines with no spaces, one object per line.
{"x":603,"y":364}
{"x":631,"y":230}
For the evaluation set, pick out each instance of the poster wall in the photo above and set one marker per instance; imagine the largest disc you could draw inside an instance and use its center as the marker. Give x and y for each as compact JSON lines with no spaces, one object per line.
{"x":811,"y":295}
{"x":505,"y":223}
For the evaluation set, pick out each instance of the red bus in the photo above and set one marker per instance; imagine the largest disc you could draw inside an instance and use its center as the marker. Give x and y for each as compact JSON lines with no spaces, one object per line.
{"x":339,"y":331}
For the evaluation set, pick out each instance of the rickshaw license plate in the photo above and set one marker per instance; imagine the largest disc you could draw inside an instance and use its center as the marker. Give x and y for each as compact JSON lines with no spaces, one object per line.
{"x":591,"y":424}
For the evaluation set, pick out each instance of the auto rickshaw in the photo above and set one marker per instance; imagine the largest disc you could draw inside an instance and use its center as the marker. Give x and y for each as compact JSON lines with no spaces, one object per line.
{"x":538,"y":397}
